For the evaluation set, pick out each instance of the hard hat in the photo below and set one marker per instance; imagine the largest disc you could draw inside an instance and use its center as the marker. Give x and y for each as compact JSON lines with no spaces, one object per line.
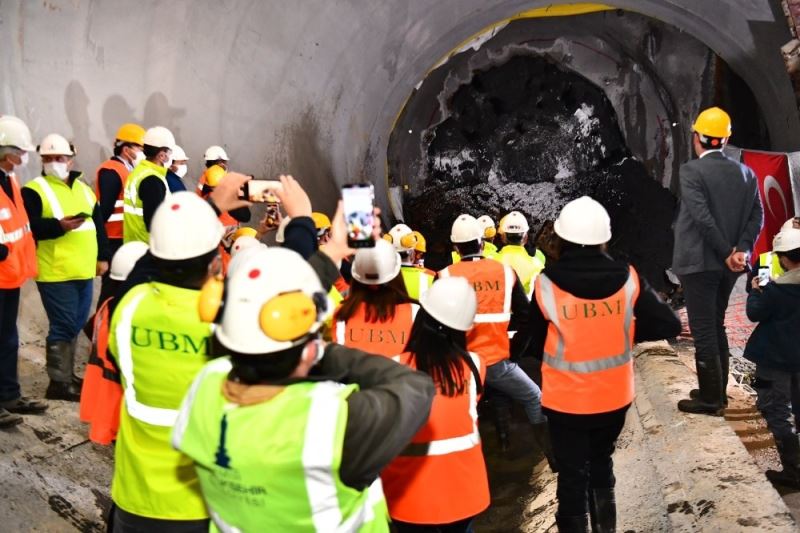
{"x":465,"y":229}
{"x":451,"y":301}
{"x":786,"y":240}
{"x":487,"y":225}
{"x":184,"y":226}
{"x":215,"y":153}
{"x":14,"y":132}
{"x":514,"y":222}
{"x":713,"y":122}
{"x":214,"y":175}
{"x":421,"y":243}
{"x":178,"y":154}
{"x":280,"y":235}
{"x":321,"y":221}
{"x":273,"y":301}
{"x":244,"y":242}
{"x":244,"y":231}
{"x":125,"y":258}
{"x":402,"y":238}
{"x":130,"y":133}
{"x":583,"y":221}
{"x":159,"y":137}
{"x":55,"y":144}
{"x":377,"y":265}
{"x":788,"y":224}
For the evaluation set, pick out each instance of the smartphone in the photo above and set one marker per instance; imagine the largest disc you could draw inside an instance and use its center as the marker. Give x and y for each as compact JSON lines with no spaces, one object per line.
{"x":359,"y":207}
{"x":261,"y":191}
{"x":763,"y":276}
{"x":82,"y":215}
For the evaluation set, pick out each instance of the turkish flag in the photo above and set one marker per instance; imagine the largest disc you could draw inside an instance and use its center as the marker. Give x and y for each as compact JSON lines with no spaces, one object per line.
{"x":775,"y":186}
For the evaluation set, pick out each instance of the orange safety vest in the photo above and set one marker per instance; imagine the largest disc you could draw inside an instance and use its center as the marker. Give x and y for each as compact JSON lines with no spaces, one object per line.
{"x":224,"y":217}
{"x":440,"y":477}
{"x":381,"y":338}
{"x":15,"y":233}
{"x":114,"y":222}
{"x":493,"y":283}
{"x":587,"y":366}
{"x":101,"y":394}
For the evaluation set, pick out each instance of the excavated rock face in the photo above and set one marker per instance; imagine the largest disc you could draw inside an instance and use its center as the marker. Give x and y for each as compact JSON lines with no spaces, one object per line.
{"x":530,"y":136}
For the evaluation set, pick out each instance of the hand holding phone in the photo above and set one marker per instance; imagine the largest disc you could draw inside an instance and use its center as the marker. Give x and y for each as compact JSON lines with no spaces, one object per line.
{"x":261,"y":191}
{"x":359,"y":200}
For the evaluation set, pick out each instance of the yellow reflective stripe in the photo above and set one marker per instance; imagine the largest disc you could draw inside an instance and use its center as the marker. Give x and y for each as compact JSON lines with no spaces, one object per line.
{"x":223,"y":364}
{"x":509,"y":278}
{"x":138,"y":211}
{"x":366,"y":513}
{"x":221,"y":524}
{"x":340,"y":331}
{"x":423,"y":283}
{"x":88,"y":225}
{"x":55,"y":206}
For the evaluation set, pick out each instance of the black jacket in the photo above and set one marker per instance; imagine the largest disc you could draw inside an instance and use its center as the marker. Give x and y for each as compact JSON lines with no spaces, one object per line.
{"x":774,"y":343}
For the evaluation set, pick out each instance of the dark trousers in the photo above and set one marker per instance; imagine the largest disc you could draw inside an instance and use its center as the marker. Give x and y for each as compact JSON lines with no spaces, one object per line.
{"x":67,"y":306}
{"x":584,"y":460}
{"x":462,"y":526}
{"x":107,"y":285}
{"x":125,"y":522}
{"x":9,"y":344}
{"x":776,"y":389}
{"x":707,"y":295}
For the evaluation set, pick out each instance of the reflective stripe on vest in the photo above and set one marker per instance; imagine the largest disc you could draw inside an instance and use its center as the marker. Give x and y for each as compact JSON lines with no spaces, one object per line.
{"x":20,"y":263}
{"x":15,"y":235}
{"x":58,"y":210}
{"x":113,"y":224}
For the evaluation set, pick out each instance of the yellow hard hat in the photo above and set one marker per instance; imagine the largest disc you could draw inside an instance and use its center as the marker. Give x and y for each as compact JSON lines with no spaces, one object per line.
{"x":321,"y":221}
{"x":420,"y":246}
{"x":131,"y":133}
{"x":214,"y":175}
{"x":713,"y":122}
{"x":241,"y":232}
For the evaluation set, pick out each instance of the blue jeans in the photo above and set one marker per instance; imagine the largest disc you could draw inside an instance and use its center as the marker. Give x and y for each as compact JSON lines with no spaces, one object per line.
{"x":67,"y":306}
{"x":506,"y":376}
{"x":775,"y":389}
{"x":9,"y":344}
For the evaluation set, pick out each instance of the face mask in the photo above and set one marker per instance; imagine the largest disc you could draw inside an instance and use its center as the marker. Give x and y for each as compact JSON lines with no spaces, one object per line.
{"x":168,"y":162}
{"x":23,"y":162}
{"x":138,"y":158}
{"x":181,"y":170}
{"x":58,"y":170}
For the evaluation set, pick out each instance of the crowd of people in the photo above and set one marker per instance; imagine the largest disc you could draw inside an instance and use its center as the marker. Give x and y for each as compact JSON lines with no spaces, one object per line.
{"x":308,"y":386}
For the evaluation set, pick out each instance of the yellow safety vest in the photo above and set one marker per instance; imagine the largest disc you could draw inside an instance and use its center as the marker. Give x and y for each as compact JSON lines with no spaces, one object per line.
{"x":526,"y":267}
{"x":133,"y":226}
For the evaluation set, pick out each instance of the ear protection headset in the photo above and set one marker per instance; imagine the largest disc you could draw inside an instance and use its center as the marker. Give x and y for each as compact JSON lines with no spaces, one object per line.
{"x":489,"y":232}
{"x":407,"y":241}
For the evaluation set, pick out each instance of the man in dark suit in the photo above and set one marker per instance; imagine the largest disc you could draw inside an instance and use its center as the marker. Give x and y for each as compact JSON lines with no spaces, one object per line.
{"x":719,"y":218}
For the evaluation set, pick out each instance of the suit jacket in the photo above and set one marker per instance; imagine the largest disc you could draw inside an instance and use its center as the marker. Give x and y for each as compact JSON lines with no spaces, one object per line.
{"x":720,"y":208}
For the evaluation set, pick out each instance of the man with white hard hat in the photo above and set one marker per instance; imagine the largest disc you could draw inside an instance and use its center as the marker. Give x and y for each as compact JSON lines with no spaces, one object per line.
{"x":582,"y":322}
{"x":71,"y":250}
{"x":214,"y":155}
{"x":177,"y":170}
{"x":514,"y":231}
{"x":417,"y":279}
{"x":17,"y":265}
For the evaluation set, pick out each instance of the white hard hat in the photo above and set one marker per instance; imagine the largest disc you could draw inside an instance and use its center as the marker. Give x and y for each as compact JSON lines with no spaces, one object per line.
{"x":786,"y":240}
{"x":14,"y":132}
{"x":178,"y":154}
{"x":55,"y":144}
{"x":788,"y":224}
{"x":280,"y":235}
{"x":273,"y":301}
{"x":486,"y":222}
{"x":244,"y":242}
{"x":465,"y":229}
{"x":377,"y":265}
{"x":583,"y":221}
{"x":452,"y":302}
{"x":184,"y":226}
{"x":125,"y":258}
{"x":402,"y":238}
{"x":514,"y":222}
{"x":159,"y":137}
{"x":214,"y":153}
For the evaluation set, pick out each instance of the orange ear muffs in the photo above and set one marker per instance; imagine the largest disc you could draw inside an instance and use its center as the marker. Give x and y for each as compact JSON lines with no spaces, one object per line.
{"x":211,"y":300}
{"x":388,"y":238}
{"x":408,"y":241}
{"x":288,"y":316}
{"x":489,"y":233}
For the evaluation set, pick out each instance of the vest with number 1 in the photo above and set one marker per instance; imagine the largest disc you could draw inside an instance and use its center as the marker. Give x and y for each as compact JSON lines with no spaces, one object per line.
{"x":133,"y":226}
{"x":160,"y":345}
{"x":114,"y":222}
{"x":274,"y":465}
{"x":587,"y":366}
{"x":73,"y":256}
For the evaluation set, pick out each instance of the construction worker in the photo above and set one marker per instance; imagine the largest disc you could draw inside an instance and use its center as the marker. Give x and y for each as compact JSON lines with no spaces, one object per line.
{"x":439,"y":481}
{"x":377,"y":315}
{"x":101,"y":392}
{"x":501,"y":299}
{"x":147,"y":185}
{"x":323,"y":225}
{"x":109,"y":185}
{"x":279,"y":449}
{"x":17,"y":265}
{"x":159,"y":343}
{"x":719,"y":219}
{"x":420,"y":248}
{"x":489,"y":233}
{"x":213,"y":156}
{"x":71,"y":249}
{"x":177,"y":170}
{"x":416,"y":279}
{"x":583,"y":316}
{"x":514,"y":232}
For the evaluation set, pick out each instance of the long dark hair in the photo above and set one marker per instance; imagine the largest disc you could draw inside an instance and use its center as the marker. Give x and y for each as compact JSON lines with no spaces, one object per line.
{"x":439,"y":351}
{"x":379,"y":301}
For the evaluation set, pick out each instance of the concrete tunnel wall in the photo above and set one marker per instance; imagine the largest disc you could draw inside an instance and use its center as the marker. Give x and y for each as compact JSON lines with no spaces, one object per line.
{"x":312,"y":87}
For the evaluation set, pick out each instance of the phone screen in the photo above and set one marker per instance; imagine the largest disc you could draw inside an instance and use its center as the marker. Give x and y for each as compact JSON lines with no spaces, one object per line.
{"x":262,"y":191}
{"x":358,"y":200}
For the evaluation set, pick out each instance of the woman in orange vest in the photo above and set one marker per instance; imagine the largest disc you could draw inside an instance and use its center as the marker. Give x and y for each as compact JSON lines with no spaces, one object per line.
{"x":377,"y":315}
{"x":439,"y":482}
{"x":588,"y":312}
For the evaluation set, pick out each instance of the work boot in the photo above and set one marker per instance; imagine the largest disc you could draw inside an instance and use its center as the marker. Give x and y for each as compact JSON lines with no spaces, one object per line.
{"x":501,"y":411}
{"x":8,"y":419}
{"x":59,"y":390}
{"x":694,"y":394}
{"x":60,"y":356}
{"x":541,"y":435}
{"x":573,"y":524}
{"x":24,"y":406}
{"x":789,"y":452}
{"x":603,"y":510}
{"x":709,"y":401}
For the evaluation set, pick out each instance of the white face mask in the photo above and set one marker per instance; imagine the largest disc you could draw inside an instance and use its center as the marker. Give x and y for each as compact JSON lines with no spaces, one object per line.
{"x":58,"y":170}
{"x":139,"y":158}
{"x":168,"y":162}
{"x":23,"y":163}
{"x":181,"y":170}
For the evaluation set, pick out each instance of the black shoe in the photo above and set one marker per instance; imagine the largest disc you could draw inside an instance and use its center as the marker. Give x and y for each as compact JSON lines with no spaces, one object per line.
{"x":8,"y":419}
{"x":694,"y":394}
{"x":699,"y":407}
{"x":603,"y":510}
{"x":784,"y":478}
{"x":709,"y":400}
{"x":24,"y":406}
{"x":789,"y":453}
{"x":58,"y":390}
{"x":572,"y":524}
